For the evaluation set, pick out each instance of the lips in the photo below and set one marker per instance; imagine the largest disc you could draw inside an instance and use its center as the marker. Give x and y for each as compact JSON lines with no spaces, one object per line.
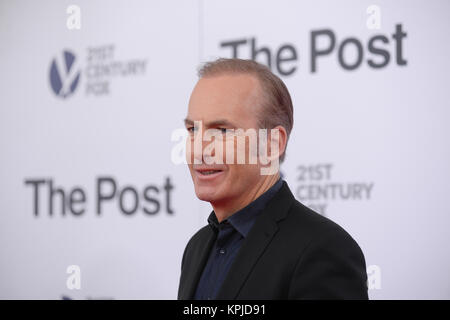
{"x":208,"y":173}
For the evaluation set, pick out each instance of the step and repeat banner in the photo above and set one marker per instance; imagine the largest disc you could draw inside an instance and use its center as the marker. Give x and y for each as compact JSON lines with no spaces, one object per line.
{"x":93,"y":96}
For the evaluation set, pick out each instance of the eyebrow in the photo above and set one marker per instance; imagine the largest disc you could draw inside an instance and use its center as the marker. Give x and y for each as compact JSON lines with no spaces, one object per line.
{"x":215,"y":123}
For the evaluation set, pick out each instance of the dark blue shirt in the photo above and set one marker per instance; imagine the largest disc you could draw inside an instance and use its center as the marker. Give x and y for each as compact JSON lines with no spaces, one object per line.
{"x":230,"y":234}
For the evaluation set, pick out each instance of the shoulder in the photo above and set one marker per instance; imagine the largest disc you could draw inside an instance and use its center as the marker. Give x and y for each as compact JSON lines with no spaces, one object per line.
{"x":330,"y":264}
{"x":298,"y":224}
{"x":316,"y":230}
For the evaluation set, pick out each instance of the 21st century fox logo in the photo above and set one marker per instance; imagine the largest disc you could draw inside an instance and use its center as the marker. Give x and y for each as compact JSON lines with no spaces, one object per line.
{"x":64,"y":74}
{"x":98,"y":69}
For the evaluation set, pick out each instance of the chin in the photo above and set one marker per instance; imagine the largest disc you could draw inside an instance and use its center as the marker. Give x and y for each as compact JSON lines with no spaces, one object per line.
{"x":205,"y":194}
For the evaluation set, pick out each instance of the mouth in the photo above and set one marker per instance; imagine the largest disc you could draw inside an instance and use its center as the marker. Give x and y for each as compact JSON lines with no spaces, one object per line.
{"x":208,"y":173}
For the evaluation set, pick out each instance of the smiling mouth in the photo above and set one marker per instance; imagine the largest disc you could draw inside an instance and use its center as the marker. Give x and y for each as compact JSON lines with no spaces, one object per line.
{"x":208,"y":172}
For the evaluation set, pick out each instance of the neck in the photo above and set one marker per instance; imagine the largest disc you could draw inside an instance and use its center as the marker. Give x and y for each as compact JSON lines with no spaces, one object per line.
{"x":225,"y":209}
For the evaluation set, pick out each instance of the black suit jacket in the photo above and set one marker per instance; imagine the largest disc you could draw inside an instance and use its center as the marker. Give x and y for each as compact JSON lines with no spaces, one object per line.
{"x":291,"y":252}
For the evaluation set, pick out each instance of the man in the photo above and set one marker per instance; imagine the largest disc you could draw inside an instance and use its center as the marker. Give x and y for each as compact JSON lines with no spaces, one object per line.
{"x":260,"y":242}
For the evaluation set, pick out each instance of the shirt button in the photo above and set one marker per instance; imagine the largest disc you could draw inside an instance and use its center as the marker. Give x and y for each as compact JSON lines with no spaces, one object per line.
{"x":222,"y":251}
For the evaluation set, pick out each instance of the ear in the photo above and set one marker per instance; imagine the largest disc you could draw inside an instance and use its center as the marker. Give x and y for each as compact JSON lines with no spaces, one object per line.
{"x":278,"y":139}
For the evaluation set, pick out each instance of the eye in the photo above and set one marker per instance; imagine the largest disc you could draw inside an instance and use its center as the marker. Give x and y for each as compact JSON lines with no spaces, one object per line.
{"x":223,"y":130}
{"x":191,"y":129}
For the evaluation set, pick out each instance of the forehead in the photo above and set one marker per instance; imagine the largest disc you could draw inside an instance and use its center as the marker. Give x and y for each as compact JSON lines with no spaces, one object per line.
{"x":233,"y":97}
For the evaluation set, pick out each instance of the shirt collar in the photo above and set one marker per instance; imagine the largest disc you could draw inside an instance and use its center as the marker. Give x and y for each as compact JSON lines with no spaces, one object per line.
{"x":243,"y":219}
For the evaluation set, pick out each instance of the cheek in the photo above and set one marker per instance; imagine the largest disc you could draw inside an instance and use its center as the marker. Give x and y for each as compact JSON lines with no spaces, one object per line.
{"x":229,"y":151}
{"x":237,"y":172}
{"x":240,"y":150}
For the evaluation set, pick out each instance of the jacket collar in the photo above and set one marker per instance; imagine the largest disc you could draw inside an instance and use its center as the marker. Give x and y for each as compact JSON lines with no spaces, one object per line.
{"x":243,"y":220}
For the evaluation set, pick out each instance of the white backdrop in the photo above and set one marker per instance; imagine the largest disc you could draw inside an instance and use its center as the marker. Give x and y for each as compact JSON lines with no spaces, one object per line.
{"x":86,"y":118}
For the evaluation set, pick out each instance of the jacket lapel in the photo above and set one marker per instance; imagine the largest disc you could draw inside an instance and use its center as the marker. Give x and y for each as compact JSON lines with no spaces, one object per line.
{"x":199,"y":259}
{"x":255,"y":243}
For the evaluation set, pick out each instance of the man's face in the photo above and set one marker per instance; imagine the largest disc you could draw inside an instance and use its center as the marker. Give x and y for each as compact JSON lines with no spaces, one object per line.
{"x":223,"y":102}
